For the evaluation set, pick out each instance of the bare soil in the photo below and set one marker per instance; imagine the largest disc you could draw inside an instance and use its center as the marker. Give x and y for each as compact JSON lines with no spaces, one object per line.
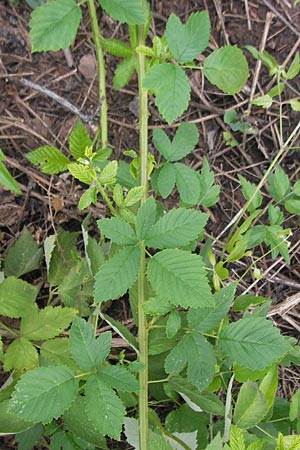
{"x":29,"y":119}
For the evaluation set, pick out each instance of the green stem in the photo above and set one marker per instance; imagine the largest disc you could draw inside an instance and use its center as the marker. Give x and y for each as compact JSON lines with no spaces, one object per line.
{"x":143,"y":329}
{"x":106,"y":199}
{"x":101,"y":73}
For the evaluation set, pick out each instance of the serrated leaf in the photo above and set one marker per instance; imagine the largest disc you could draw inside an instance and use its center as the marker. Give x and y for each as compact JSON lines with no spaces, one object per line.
{"x":205,"y":400}
{"x":237,"y":440}
{"x":48,"y":159}
{"x":24,"y":256}
{"x":195,"y":352}
{"x":123,"y":72}
{"x":117,"y":230}
{"x":187,"y":183}
{"x":81,"y":172}
{"x":209,"y":193}
{"x":20,"y":355}
{"x":159,"y":442}
{"x":253,"y":342}
{"x":162,"y":143}
{"x":16,"y":297}
{"x":46,"y":323}
{"x":79,"y":139}
{"x":104,"y":408}
{"x":57,"y":350}
{"x":206,"y":319}
{"x":129,"y":11}
{"x":121,"y":330}
{"x":227,"y":68}
{"x":173,"y":324}
{"x":88,"y":352}
{"x":295,"y":406}
{"x":134,"y":196}
{"x":248,"y":189}
{"x":116,"y":48}
{"x":118,"y":378}
{"x":187,"y":41}
{"x":145,"y":218}
{"x":9,"y":422}
{"x":268,"y":385}
{"x":29,"y":438}
{"x":251,"y":406}
{"x":6,"y":179}
{"x":77,"y":421}
{"x":54,"y":25}
{"x":293,"y":206}
{"x":180,"y":278}
{"x":184,"y":141}
{"x":166,"y":180}
{"x":117,"y":274}
{"x":44,"y":393}
{"x":157,"y":306}
{"x":265,"y":101}
{"x":87,"y":198}
{"x":171,"y":87}
{"x":185,"y":419}
{"x":109,"y":173}
{"x":279,"y":184}
{"x":63,"y":256}
{"x":176,"y":229}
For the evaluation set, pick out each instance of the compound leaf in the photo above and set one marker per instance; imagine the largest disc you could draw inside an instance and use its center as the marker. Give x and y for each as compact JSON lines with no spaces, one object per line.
{"x":16,"y":297}
{"x":227,"y":68}
{"x":253,"y":342}
{"x":24,"y":256}
{"x":177,"y":228}
{"x":171,"y":88}
{"x":54,"y":25}
{"x":46,"y":323}
{"x":124,"y":72}
{"x":117,"y":230}
{"x":118,"y":378}
{"x":279,"y":184}
{"x":104,"y":408}
{"x":166,"y":180}
{"x":117,"y":274}
{"x":88,"y":352}
{"x":81,"y":172}
{"x":129,"y":11}
{"x":21,"y":355}
{"x":145,"y":217}
{"x":49,"y":159}
{"x":187,"y":41}
{"x":187,"y":183}
{"x":184,"y":141}
{"x":209,"y":192}
{"x":44,"y":393}
{"x":10,"y":423}
{"x":180,"y":278}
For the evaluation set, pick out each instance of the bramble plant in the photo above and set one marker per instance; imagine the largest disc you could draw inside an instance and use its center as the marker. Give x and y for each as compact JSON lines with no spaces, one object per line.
{"x":66,"y":386}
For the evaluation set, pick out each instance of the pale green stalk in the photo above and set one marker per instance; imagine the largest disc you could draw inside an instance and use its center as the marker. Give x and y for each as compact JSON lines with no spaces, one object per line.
{"x":143,"y":329}
{"x":101,"y":73}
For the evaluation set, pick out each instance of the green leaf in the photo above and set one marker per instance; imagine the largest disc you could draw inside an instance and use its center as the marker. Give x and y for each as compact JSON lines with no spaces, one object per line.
{"x":227,"y":68}
{"x":187,"y":41}
{"x":20,"y":355}
{"x":116,"y":48}
{"x":44,"y":393}
{"x":77,"y":421}
{"x":57,"y":350}
{"x":187,"y":183}
{"x":145,"y":218}
{"x":129,"y":11}
{"x":166,"y":180}
{"x":79,"y":140}
{"x":53,"y":25}
{"x":88,"y":352}
{"x":293,"y":206}
{"x":295,"y":406}
{"x":185,"y":419}
{"x":109,"y":173}
{"x":121,"y":330}
{"x":16,"y":297}
{"x":118,"y":378}
{"x":209,"y":193}
{"x":265,"y":101}
{"x":62,"y":257}
{"x":243,"y":302}
{"x":81,"y":172}
{"x":104,"y":408}
{"x":134,"y":196}
{"x":248,"y":189}
{"x":251,"y":406}
{"x":184,"y":141}
{"x":157,"y":307}
{"x":94,"y":253}
{"x":176,"y":229}
{"x":87,"y":198}
{"x":6,"y":179}
{"x":157,"y":441}
{"x":253,"y":342}
{"x":237,"y":439}
{"x":200,"y":400}
{"x":180,"y":278}
{"x":29,"y":438}
{"x":162,"y":143}
{"x":206,"y":319}
{"x":294,"y":68}
{"x":117,"y":230}
{"x":216,"y":443}
{"x":195,"y":352}
{"x":173,"y":324}
{"x":171,"y":87}
{"x":123,"y":73}
{"x":279,"y":184}
{"x":117,"y":274}
{"x":48,"y":159}
{"x":10,"y":423}
{"x":46,"y":323}
{"x":24,"y":256}
{"x":269,"y":384}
